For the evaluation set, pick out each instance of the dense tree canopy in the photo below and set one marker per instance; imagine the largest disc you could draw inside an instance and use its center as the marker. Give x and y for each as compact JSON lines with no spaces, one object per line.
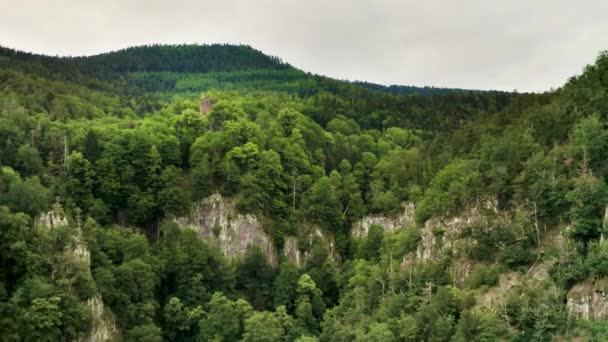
{"x":99,"y":154}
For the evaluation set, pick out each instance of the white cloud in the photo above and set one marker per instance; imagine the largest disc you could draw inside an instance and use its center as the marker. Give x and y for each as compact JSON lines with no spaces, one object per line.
{"x":524,"y":45}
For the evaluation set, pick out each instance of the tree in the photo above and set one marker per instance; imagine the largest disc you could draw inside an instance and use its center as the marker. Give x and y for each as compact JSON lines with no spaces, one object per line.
{"x":285,"y":285}
{"x":145,"y":333}
{"x":80,"y":180}
{"x":181,"y":323}
{"x":369,"y":248}
{"x":133,"y":287}
{"x":502,"y":159}
{"x":254,"y":278}
{"x":28,"y":161}
{"x":28,"y":196}
{"x":347,"y":192}
{"x":202,"y":178}
{"x":225,"y":319}
{"x":590,"y":144}
{"x":263,"y":327}
{"x":310,"y":305}
{"x":92,"y":149}
{"x":455,"y":186}
{"x":41,"y":320}
{"x":379,"y":332}
{"x":588,"y":204}
{"x":322,"y":205}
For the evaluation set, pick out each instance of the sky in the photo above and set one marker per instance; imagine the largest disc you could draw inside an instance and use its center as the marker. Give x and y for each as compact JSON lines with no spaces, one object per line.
{"x":524,"y":45}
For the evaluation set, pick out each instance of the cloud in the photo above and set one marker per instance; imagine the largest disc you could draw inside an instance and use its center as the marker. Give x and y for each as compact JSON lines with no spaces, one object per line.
{"x":524,"y":45}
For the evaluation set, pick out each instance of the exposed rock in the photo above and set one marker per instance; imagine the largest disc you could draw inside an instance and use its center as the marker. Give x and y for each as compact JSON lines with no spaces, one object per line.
{"x":587,"y":300}
{"x":605,"y":225}
{"x":216,"y":218}
{"x":439,"y":234}
{"x":408,"y":262}
{"x":53,"y":218}
{"x":294,"y":253}
{"x":538,"y":274}
{"x":460,"y":269}
{"x":206,"y":105}
{"x":81,"y":252}
{"x":445,"y":233}
{"x":361,"y":227}
{"x":104,"y":326}
{"x":444,"y":236}
{"x":496,"y":295}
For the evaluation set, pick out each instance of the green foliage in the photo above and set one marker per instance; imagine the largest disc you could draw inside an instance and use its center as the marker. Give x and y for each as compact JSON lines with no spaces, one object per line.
{"x":322,"y":205}
{"x":117,"y":144}
{"x":225,"y":319}
{"x":309,"y":306}
{"x":535,"y":310}
{"x":285,"y":285}
{"x":144,"y":333}
{"x":254,"y":278}
{"x":263,"y":327}
{"x":369,"y":248}
{"x":454,"y":187}
{"x":27,"y":196}
{"x":588,"y":203}
{"x":589,"y":141}
{"x":483,"y":275}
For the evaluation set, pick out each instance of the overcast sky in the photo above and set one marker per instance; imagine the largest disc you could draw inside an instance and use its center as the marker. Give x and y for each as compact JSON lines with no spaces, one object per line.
{"x":528,"y":45}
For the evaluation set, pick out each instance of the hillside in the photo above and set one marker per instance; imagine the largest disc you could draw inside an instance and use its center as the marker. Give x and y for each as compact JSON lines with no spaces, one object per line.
{"x":215,"y":193}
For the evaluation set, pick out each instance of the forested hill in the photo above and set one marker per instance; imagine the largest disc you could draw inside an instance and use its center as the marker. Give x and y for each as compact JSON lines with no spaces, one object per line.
{"x":166,"y":64}
{"x":340,"y":213}
{"x":151,"y":58}
{"x":182,"y":58}
{"x":163,"y":73}
{"x":413,"y":90}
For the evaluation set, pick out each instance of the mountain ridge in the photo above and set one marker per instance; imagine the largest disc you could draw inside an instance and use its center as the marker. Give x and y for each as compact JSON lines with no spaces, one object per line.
{"x":158,"y":59}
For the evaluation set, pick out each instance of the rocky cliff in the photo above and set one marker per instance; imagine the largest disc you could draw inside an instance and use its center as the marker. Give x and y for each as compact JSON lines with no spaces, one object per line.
{"x":587,"y":300}
{"x":439,"y":235}
{"x":389,"y":223}
{"x":217,"y":219}
{"x":78,"y":256}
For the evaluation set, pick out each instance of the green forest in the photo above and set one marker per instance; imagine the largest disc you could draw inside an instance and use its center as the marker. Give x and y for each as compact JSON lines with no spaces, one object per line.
{"x":503,"y":198}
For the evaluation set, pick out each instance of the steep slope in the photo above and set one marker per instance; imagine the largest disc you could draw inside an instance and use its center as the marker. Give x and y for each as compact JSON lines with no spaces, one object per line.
{"x":294,"y":205}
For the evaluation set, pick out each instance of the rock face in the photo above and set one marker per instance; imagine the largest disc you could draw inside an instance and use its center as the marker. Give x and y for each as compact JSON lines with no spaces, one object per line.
{"x":495,"y":296}
{"x":215,"y":218}
{"x":361,"y":227}
{"x":298,"y":256}
{"x":104,"y":326}
{"x":439,"y":235}
{"x":205,"y":105}
{"x":53,"y":218}
{"x":442,"y":233}
{"x":588,"y":300}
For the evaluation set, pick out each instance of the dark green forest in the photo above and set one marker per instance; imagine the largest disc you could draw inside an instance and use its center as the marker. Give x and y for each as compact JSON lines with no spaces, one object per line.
{"x":100,"y":155}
